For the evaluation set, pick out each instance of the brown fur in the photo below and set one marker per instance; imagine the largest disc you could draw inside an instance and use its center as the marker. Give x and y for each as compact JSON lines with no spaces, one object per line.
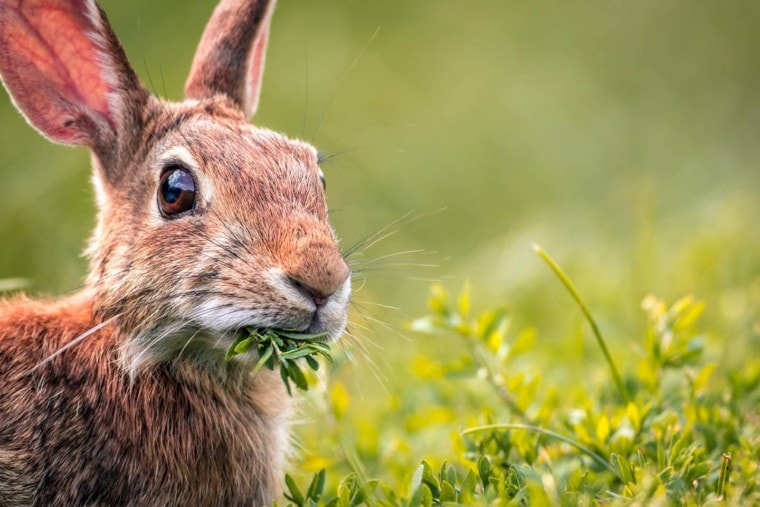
{"x":80,"y":431}
{"x":120,"y":393}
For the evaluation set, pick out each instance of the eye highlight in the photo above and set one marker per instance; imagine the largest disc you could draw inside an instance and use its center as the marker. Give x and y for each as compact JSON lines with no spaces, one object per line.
{"x":322,"y":178}
{"x":176,"y":191}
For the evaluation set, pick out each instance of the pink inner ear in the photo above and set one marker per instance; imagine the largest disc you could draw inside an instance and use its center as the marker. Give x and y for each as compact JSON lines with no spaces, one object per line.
{"x":256,"y":70}
{"x":53,"y":67}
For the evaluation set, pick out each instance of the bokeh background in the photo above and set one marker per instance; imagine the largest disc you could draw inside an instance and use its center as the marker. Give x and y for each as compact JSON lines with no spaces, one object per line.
{"x":620,"y":136}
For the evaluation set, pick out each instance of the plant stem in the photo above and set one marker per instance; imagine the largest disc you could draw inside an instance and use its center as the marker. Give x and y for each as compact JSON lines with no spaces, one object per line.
{"x":725,"y":470}
{"x":549,"y":433}
{"x":599,"y":339}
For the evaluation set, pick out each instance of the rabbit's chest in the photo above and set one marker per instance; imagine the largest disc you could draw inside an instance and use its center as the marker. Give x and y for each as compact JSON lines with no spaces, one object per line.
{"x":210,"y":445}
{"x":168,"y":443}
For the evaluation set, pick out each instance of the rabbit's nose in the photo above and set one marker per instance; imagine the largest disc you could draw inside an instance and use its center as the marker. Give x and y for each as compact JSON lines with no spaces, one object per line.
{"x":318,"y":277}
{"x":319,"y":297}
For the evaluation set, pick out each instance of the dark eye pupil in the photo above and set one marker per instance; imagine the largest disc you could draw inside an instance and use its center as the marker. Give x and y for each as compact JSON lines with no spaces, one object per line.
{"x":176,"y":193}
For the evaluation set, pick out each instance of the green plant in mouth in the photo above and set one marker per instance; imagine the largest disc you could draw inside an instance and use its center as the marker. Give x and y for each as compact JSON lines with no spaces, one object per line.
{"x":281,"y":348}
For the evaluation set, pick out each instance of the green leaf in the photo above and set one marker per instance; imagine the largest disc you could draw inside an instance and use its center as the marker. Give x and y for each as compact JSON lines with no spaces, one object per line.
{"x":448,"y":493}
{"x":317,"y":486}
{"x":484,"y":470}
{"x":429,"y":479}
{"x":323,"y":349}
{"x":490,"y":322}
{"x":416,"y":499}
{"x":662,"y":460}
{"x":313,"y":363}
{"x":422,"y":497}
{"x":703,"y":377}
{"x":244,"y":346}
{"x":624,"y":468}
{"x":231,"y":351}
{"x":469,"y":486}
{"x":295,"y":373}
{"x":302,"y":336}
{"x":297,"y":353}
{"x":427,"y":496}
{"x":416,"y":478}
{"x":263,"y":360}
{"x":344,"y":492}
{"x":523,"y":343}
{"x":284,"y":376}
{"x":451,"y":475}
{"x":364,"y":492}
{"x":295,"y":494}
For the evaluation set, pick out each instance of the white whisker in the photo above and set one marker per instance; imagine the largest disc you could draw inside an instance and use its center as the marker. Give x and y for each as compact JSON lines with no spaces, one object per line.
{"x":73,"y":343}
{"x":187,"y":343}
{"x":381,"y":305}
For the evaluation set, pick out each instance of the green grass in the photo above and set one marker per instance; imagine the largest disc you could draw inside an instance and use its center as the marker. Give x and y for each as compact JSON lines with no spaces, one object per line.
{"x":675,"y":427}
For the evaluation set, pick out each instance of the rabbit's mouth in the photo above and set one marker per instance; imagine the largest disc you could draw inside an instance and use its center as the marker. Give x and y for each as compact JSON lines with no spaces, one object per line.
{"x":326,"y":324}
{"x":208,"y":328}
{"x":287,"y":309}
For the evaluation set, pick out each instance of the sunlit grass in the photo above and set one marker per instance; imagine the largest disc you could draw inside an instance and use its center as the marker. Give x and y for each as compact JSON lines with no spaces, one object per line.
{"x":682,"y":431}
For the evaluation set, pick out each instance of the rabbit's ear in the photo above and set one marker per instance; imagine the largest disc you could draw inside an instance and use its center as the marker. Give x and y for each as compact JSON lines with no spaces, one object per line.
{"x":230,"y":57}
{"x":67,"y":73}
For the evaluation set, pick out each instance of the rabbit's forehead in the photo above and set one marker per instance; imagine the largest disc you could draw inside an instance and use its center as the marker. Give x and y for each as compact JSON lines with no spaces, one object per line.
{"x":234,"y":147}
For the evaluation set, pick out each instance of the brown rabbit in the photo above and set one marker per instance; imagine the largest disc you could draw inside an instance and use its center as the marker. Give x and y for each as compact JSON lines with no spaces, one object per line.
{"x":120,"y":393}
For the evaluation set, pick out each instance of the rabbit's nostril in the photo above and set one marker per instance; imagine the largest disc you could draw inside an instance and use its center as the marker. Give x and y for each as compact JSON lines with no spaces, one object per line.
{"x":316,"y":295}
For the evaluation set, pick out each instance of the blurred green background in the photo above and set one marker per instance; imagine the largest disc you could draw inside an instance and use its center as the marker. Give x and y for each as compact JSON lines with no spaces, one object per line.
{"x":621,"y":136}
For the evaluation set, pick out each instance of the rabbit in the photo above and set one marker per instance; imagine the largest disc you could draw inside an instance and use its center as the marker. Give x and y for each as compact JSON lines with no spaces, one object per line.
{"x":120,"y":393}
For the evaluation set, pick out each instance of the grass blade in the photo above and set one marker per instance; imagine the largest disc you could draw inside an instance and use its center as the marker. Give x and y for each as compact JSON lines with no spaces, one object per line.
{"x":584,"y":309}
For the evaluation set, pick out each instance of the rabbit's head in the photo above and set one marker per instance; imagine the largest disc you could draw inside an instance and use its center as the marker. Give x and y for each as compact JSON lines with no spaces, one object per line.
{"x":206,"y":223}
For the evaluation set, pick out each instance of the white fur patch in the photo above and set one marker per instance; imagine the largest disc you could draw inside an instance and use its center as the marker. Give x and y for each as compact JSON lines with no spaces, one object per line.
{"x":278,"y":280}
{"x":181,"y":154}
{"x":212,"y":314}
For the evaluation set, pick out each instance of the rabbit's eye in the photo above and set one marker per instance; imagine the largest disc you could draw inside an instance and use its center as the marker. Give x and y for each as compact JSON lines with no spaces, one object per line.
{"x":322,"y":179}
{"x":176,"y":192}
